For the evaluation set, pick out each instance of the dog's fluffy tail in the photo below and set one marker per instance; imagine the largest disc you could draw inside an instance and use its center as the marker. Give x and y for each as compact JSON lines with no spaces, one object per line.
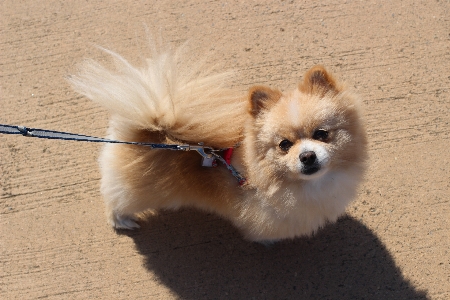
{"x":171,"y":94}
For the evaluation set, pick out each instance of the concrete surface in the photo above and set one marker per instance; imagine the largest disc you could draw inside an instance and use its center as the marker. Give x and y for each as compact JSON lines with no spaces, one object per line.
{"x":394,"y":242}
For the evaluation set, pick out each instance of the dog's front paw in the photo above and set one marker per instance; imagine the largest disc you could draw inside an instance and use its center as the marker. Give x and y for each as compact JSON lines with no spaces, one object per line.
{"x":124,"y":222}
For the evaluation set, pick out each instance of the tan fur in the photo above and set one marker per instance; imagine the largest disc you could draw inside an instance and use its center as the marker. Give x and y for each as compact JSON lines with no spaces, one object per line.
{"x":171,"y":102}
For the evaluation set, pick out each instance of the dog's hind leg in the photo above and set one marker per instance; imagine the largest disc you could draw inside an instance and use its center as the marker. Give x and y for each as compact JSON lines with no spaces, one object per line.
{"x":122,"y":219}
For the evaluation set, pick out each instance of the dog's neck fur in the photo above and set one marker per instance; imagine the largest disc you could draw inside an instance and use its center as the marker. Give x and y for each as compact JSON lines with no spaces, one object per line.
{"x":280,"y":207}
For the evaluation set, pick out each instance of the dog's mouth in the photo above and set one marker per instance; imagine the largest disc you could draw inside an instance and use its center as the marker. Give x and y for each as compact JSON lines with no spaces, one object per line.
{"x":310,"y":170}
{"x":313,"y":164}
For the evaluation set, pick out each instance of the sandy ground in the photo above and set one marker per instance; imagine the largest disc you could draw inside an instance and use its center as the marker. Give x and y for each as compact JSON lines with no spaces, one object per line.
{"x":393,"y":243}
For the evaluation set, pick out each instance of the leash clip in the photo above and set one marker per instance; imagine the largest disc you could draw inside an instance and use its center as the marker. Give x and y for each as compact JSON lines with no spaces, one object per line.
{"x":24,"y":131}
{"x":208,"y":160}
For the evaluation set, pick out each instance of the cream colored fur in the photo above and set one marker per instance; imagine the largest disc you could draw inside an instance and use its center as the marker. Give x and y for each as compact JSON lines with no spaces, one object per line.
{"x":173,"y":101}
{"x":167,"y":94}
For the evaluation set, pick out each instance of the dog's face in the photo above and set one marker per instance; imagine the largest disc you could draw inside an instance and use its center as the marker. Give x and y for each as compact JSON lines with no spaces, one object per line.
{"x":304,"y":134}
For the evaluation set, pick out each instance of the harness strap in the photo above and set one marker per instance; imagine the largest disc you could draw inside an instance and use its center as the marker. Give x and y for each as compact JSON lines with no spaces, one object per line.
{"x":241,"y":179}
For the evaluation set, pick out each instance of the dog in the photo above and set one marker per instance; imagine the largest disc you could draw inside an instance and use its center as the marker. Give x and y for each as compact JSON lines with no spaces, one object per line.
{"x":303,"y":153}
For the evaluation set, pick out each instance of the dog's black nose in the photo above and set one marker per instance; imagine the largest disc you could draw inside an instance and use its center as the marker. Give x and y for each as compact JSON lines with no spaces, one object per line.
{"x":308,"y":158}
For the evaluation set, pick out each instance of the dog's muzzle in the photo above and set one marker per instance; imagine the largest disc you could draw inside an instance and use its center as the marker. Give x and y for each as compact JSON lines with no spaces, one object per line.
{"x":310,"y":164}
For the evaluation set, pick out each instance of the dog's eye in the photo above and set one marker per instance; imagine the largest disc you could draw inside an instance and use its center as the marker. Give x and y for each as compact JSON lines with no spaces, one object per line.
{"x":285,"y":145}
{"x":320,"y":135}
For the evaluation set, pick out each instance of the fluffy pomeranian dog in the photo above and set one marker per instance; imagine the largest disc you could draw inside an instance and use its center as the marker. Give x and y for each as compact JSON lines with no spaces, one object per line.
{"x":302,"y":152}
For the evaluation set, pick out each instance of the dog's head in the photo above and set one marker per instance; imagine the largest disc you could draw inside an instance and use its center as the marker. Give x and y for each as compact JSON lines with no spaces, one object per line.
{"x":304,"y":134}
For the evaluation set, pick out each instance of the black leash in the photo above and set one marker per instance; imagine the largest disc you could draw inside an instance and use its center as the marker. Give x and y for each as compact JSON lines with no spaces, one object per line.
{"x":58,"y":135}
{"x":207,"y":153}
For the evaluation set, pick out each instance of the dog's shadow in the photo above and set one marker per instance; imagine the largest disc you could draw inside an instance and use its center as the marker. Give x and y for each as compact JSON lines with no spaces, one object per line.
{"x":200,"y":256}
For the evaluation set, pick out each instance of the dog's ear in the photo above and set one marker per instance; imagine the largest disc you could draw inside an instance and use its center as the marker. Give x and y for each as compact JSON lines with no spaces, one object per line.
{"x":318,"y":81}
{"x":262,"y":98}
